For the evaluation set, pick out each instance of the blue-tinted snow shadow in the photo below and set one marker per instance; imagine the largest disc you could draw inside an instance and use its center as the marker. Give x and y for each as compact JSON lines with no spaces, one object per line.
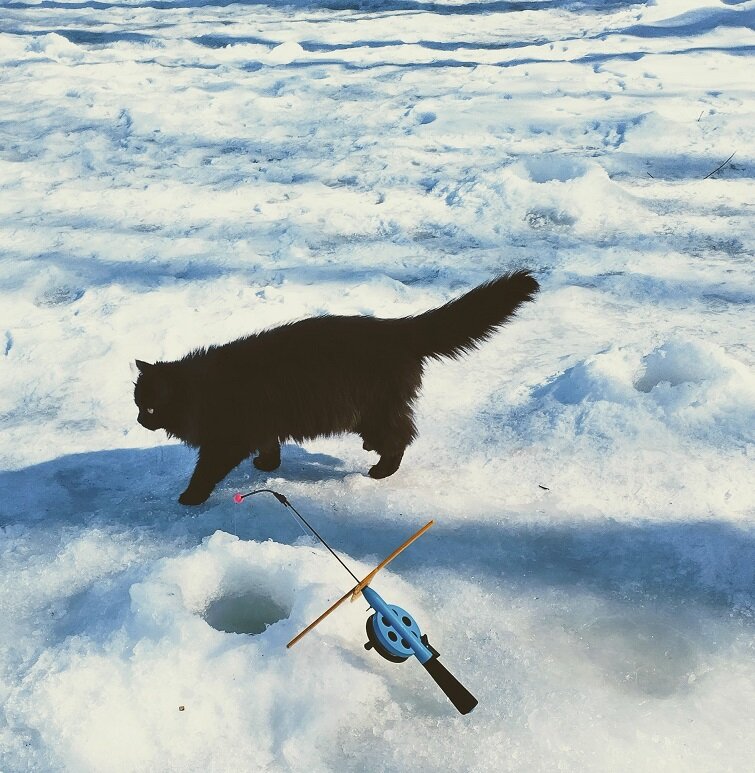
{"x":594,"y":59}
{"x":86,"y":37}
{"x":673,"y":166}
{"x":679,"y":292}
{"x":691,"y":24}
{"x":709,"y":563}
{"x":135,"y":487}
{"x":706,"y":563}
{"x":102,"y":38}
{"x":315,"y":46}
{"x":94,"y":271}
{"x":364,"y":6}
{"x":86,"y":272}
{"x":215,"y":41}
{"x":131,"y":494}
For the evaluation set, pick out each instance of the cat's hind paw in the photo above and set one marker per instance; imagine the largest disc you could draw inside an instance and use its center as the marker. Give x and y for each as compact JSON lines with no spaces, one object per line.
{"x":386,"y":466}
{"x":266,"y":463}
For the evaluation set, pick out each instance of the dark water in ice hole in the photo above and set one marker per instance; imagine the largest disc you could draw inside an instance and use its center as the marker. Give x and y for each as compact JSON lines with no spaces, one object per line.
{"x":248,"y":612}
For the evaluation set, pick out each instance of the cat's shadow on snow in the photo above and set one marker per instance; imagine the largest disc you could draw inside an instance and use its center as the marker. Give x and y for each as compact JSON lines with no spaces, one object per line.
{"x":704,"y":563}
{"x":301,"y":465}
{"x":122,"y":485}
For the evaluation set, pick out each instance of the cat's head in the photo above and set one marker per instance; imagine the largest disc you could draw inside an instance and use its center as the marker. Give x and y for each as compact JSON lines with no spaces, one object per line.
{"x":153,"y":395}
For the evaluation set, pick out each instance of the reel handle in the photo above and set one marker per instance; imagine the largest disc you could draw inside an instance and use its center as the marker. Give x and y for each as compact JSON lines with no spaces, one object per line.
{"x":455,"y":691}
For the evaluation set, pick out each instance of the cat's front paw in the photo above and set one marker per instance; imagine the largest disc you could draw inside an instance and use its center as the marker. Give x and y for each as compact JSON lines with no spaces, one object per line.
{"x":193,"y":497}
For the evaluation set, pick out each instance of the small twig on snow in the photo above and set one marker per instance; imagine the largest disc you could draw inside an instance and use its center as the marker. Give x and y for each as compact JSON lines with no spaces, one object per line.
{"x":719,"y":168}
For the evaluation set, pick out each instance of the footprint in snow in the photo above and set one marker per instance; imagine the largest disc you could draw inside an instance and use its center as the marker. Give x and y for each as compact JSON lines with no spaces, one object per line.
{"x":426,"y":117}
{"x":673,"y":364}
{"x":543,"y":169}
{"x":61,"y":295}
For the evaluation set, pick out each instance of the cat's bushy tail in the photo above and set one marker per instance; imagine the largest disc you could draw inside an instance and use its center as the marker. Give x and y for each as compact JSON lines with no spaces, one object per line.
{"x":462,"y":324}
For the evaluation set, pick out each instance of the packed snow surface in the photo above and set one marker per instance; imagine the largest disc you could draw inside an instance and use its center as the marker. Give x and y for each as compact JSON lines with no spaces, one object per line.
{"x":179,"y":173}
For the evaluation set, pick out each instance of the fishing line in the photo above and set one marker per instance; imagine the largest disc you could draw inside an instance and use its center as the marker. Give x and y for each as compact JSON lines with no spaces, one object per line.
{"x":238,"y":498}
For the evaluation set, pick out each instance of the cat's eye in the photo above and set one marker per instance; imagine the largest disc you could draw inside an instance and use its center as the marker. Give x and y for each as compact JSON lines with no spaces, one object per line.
{"x":150,"y":411}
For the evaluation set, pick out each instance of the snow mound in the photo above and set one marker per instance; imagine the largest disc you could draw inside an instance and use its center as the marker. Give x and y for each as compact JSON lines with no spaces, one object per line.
{"x":554,"y":191}
{"x":681,"y":361}
{"x":677,"y":374}
{"x":163,"y":688}
{"x":604,"y":376}
{"x":285,"y":53}
{"x":56,"y":47}
{"x":670,"y":417}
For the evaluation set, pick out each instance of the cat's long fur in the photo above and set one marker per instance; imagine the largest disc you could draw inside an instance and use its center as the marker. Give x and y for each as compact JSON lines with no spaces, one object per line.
{"x":319,"y":376}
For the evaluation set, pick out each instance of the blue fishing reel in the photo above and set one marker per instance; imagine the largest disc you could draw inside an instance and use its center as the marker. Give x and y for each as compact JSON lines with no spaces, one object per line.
{"x":384,"y":638}
{"x":393,"y":633}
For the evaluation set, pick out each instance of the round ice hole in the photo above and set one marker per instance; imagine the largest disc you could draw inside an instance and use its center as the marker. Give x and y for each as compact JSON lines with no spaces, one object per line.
{"x":249,"y":612}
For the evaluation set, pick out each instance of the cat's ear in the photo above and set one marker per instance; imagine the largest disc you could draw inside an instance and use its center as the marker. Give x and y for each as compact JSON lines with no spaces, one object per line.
{"x":143,"y":366}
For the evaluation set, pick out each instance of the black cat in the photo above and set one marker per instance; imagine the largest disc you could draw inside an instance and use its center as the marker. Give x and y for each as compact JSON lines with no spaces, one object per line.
{"x":319,"y":376}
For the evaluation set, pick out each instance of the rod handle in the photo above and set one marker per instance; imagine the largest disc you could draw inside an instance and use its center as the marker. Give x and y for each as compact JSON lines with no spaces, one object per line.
{"x":455,"y":691}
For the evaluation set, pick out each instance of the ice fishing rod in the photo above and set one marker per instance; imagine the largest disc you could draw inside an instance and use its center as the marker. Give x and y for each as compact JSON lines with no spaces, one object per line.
{"x":391,"y":631}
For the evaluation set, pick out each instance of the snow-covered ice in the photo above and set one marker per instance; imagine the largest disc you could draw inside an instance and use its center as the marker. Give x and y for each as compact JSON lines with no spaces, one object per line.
{"x":181,"y":172}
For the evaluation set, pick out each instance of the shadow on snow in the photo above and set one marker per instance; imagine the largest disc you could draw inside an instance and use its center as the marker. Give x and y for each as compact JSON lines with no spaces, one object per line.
{"x":705,"y":563}
{"x":366,"y":6}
